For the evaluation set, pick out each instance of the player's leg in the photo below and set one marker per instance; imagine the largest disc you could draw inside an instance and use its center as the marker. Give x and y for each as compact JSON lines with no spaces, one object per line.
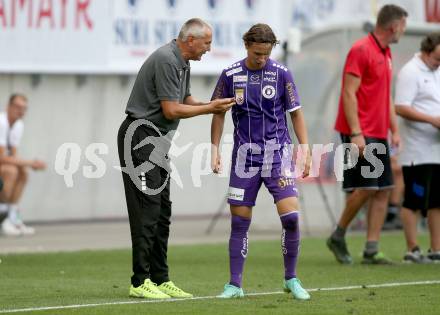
{"x":375,"y":218}
{"x":379,"y":201}
{"x":290,"y":239}
{"x":392,"y":220}
{"x":353,"y":203}
{"x":9,"y":174}
{"x":336,"y":242}
{"x":14,"y":215}
{"x":238,"y":249}
{"x":434,"y":231}
{"x":241,"y":197}
{"x":21,"y":180}
{"x":414,"y":202}
{"x":281,"y":186}
{"x":359,"y":186}
{"x":409,"y":221}
{"x":290,"y":242}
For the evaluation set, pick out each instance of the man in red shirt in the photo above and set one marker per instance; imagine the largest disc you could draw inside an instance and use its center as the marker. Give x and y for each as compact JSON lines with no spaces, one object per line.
{"x":366,"y":114}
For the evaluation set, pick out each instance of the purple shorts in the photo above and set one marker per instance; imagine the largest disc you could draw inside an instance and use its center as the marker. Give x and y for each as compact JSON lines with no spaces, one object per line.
{"x":245,"y":184}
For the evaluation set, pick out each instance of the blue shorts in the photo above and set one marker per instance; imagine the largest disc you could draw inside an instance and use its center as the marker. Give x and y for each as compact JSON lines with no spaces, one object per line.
{"x":243,"y":187}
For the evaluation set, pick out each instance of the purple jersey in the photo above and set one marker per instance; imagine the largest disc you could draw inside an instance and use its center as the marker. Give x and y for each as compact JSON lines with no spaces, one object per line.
{"x":262,"y":97}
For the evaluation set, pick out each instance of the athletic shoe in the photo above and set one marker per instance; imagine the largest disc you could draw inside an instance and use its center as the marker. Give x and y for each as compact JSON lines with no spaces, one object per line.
{"x":9,"y":229}
{"x":416,"y":256}
{"x":294,"y":286}
{"x":339,"y":249}
{"x":231,"y":291}
{"x":434,"y":256}
{"x":170,"y":289}
{"x":147,"y":290}
{"x":25,"y":229}
{"x":377,"y":258}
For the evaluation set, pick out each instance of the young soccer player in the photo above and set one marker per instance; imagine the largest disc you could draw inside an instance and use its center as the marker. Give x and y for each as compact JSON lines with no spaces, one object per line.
{"x":264,"y":91}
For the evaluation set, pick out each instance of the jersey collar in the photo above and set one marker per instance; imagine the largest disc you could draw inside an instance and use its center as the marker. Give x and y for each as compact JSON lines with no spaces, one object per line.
{"x":383,"y":50}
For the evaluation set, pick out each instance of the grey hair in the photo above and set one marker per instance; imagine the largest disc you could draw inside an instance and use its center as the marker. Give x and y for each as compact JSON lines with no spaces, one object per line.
{"x":194,"y":27}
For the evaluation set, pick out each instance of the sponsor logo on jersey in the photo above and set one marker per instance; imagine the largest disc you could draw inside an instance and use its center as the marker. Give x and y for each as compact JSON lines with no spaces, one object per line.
{"x":255,"y":79}
{"x":270,"y":73}
{"x":236,"y":193}
{"x":290,"y":92}
{"x":244,"y":251}
{"x":240,"y":85}
{"x":283,"y":182}
{"x":239,"y":96}
{"x":240,"y":78}
{"x":233,"y":71}
{"x":283,"y":242}
{"x":269,"y":91}
{"x":269,"y":79}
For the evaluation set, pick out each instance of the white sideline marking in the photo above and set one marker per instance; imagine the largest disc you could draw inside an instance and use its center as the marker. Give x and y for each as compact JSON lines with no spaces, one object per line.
{"x":61,"y":307}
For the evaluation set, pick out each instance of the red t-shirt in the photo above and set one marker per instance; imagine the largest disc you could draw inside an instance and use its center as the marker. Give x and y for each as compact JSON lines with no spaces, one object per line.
{"x":372,"y":64}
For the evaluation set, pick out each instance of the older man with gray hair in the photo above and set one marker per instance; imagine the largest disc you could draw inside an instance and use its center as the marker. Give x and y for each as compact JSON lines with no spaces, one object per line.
{"x":160,"y":98}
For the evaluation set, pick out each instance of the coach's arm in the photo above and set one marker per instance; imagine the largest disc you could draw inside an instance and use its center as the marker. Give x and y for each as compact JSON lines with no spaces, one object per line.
{"x":175,"y":110}
{"x":350,"y":105}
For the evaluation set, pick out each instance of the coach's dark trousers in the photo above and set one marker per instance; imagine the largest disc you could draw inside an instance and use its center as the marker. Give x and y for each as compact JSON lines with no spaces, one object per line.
{"x":149,"y":215}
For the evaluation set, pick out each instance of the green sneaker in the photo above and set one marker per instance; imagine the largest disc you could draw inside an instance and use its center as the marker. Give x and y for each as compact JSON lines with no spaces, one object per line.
{"x":148,"y":290}
{"x":339,"y":249}
{"x":295,"y":287}
{"x":376,"y":259}
{"x":170,"y":289}
{"x":231,"y":291}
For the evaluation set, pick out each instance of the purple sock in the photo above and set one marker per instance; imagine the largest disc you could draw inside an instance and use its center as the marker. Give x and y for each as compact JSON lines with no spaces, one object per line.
{"x":290,"y":243}
{"x":238,"y":248}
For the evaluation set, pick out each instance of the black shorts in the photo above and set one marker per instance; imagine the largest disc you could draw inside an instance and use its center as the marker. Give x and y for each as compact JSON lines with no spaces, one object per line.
{"x":373,"y":171}
{"x":422,"y":184}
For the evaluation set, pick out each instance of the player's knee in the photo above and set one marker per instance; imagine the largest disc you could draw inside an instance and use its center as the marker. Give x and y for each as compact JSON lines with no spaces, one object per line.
{"x":240,"y":224}
{"x":290,"y":221}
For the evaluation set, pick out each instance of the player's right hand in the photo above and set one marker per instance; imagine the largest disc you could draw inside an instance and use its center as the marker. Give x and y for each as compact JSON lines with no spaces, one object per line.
{"x":221,"y":105}
{"x":359,"y":141}
{"x":216,"y":163}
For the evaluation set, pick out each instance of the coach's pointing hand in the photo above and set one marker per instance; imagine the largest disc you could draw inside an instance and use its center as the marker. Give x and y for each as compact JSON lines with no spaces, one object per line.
{"x":221,"y":105}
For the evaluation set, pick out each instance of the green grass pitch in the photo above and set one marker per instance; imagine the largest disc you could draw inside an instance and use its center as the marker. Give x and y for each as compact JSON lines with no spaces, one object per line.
{"x":88,"y":277}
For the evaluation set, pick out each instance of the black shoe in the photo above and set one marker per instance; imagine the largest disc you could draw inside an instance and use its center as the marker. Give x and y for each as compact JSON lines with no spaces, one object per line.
{"x":339,"y":249}
{"x":434,"y":256}
{"x":377,"y":258}
{"x":415,"y":256}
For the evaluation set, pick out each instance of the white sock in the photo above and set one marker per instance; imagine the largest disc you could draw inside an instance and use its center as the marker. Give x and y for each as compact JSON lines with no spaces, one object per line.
{"x":13,"y":214}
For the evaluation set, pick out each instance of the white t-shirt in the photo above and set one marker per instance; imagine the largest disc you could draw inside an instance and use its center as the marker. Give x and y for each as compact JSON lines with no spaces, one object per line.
{"x":10,"y":136}
{"x":419,"y":87}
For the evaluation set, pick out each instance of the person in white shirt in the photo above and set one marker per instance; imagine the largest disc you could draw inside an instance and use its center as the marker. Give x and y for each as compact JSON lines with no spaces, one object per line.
{"x":13,"y":169}
{"x":418,"y":102}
